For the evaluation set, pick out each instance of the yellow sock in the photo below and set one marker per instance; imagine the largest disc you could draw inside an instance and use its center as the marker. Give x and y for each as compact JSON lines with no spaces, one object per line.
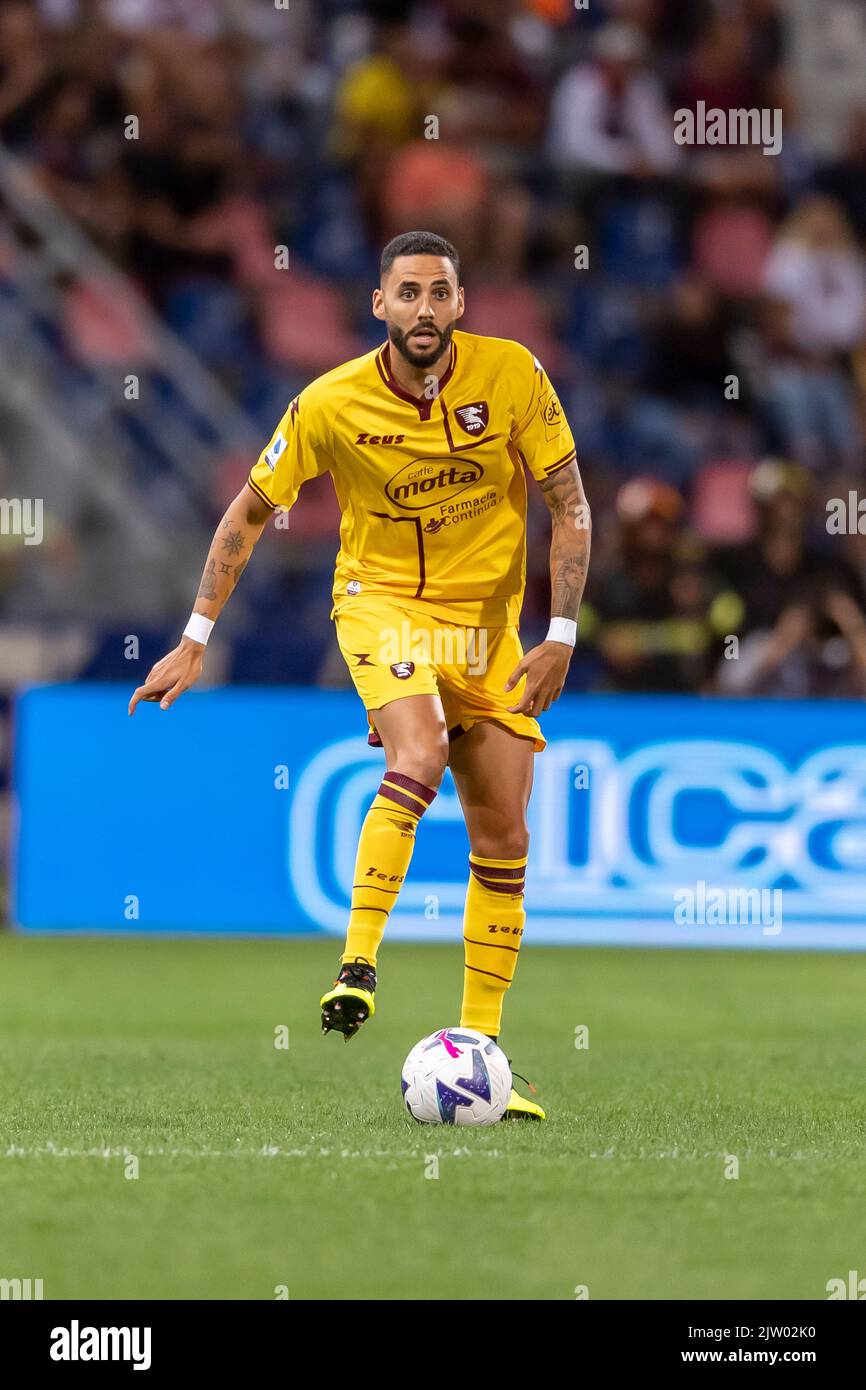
{"x":492,"y":931}
{"x":384,"y":852}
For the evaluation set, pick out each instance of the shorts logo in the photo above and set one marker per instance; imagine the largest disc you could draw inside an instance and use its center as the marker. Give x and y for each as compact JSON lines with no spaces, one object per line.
{"x":474,"y":419}
{"x":403,"y":670}
{"x":353,"y":586}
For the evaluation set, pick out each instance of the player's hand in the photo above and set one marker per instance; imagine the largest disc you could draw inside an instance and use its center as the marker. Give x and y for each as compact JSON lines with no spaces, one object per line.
{"x":545,"y":668}
{"x":171,"y":676}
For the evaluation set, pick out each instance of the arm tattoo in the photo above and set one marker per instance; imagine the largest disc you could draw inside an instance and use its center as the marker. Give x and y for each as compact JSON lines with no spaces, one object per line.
{"x":233,"y":543}
{"x":570,"y":542}
{"x":207,"y":588}
{"x":239,"y":569}
{"x":224,"y":568}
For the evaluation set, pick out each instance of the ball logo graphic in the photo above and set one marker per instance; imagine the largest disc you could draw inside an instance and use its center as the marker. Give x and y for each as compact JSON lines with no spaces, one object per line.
{"x":456,"y":1076}
{"x":403,"y":670}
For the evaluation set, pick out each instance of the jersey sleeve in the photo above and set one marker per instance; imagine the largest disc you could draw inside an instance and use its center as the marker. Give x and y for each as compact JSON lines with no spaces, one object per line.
{"x":296,"y":452}
{"x":540,"y":432}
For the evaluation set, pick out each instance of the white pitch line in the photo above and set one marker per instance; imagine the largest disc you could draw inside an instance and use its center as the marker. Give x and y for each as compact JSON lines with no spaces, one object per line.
{"x":50,"y":1150}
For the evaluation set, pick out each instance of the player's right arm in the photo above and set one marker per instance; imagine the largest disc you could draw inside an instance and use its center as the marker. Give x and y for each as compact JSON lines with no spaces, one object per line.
{"x":230,"y":550}
{"x":300,"y":448}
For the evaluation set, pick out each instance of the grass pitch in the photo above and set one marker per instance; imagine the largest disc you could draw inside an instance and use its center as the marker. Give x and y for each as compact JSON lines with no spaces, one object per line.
{"x":262,"y":1169}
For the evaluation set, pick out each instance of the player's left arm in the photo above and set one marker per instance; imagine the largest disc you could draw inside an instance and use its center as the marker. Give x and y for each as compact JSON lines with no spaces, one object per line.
{"x":546,"y":666}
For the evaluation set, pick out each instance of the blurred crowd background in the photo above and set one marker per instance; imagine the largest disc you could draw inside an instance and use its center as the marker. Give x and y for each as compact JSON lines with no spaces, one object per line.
{"x":193,"y":194}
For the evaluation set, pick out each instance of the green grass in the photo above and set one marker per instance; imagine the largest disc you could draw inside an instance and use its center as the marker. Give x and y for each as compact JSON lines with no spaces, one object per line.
{"x":165,"y":1049}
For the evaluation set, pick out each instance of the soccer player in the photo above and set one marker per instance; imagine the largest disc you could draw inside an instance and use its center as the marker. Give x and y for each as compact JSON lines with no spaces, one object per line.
{"x":427,"y":439}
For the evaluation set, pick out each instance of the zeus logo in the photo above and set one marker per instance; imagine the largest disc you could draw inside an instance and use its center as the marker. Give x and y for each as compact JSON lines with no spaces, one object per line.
{"x":613,"y":846}
{"x":380,"y":439}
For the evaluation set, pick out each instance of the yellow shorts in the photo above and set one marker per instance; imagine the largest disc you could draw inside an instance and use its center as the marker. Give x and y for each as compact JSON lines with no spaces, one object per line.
{"x":393,"y":650}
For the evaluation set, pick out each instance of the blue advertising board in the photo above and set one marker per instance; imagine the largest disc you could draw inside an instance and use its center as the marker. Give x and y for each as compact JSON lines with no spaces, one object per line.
{"x":654,"y":820}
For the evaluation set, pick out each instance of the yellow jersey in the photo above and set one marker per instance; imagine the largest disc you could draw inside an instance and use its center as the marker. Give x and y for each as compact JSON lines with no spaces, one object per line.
{"x":432,"y":490}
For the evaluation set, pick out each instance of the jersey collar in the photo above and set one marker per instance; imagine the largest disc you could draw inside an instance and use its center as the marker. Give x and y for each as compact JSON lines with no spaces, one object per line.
{"x":422,"y":404}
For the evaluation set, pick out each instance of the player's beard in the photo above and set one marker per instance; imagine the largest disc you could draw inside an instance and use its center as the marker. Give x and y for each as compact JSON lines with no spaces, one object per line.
{"x":402,"y":342}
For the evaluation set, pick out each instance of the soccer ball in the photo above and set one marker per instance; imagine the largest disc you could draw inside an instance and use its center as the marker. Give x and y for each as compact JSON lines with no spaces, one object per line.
{"x":456,"y":1077}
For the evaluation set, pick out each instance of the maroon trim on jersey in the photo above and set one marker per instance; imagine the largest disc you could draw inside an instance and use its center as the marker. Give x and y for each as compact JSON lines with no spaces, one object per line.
{"x":422,"y":404}
{"x":562,"y":463}
{"x":257,"y":490}
{"x":461,"y":448}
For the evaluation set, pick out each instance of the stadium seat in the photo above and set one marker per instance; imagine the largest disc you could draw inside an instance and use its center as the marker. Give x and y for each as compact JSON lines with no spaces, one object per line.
{"x":731,"y":245}
{"x":303,"y":324}
{"x":514,"y":311}
{"x":722,"y":511}
{"x":104,"y":324}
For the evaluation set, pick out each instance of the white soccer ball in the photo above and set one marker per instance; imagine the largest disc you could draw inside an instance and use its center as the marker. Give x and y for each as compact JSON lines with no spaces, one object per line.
{"x":456,"y":1077}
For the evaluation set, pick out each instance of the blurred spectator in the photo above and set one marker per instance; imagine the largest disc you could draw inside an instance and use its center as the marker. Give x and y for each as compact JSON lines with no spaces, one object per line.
{"x":817,"y":647}
{"x":610,"y":116}
{"x":816,"y":317}
{"x":845,"y":178}
{"x":658,"y":611}
{"x":691,"y":360}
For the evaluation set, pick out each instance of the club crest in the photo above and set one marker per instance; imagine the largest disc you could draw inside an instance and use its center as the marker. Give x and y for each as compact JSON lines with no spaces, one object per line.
{"x":474,"y":419}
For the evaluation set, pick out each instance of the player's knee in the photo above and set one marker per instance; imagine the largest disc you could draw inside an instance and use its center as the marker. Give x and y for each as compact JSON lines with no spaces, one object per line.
{"x":506,"y":842}
{"x":425,"y":761}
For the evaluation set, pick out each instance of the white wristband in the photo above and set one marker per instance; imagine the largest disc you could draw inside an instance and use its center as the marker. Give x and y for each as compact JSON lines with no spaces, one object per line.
{"x":198,"y":628}
{"x":562,"y":630}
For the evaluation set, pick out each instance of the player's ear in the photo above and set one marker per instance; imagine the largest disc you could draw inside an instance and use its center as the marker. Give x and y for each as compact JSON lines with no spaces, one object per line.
{"x":461,"y":305}
{"x":378,"y":304}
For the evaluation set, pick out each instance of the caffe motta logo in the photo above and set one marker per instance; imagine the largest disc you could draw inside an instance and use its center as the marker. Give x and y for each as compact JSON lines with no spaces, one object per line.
{"x":427,"y":482}
{"x":474,"y":419}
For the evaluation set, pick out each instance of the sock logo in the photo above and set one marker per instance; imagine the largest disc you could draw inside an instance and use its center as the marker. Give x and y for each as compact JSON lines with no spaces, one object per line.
{"x":406,"y":825}
{"x":373,"y":872}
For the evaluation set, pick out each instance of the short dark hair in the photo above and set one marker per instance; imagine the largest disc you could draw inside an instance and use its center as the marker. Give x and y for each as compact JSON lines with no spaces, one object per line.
{"x":417,"y":244}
